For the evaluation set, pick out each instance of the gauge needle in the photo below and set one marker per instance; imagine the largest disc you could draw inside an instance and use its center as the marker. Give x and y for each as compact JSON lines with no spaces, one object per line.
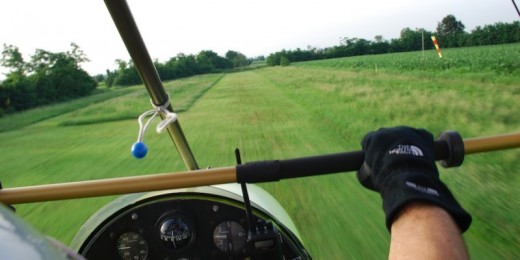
{"x":124,"y":247}
{"x":173,"y":240}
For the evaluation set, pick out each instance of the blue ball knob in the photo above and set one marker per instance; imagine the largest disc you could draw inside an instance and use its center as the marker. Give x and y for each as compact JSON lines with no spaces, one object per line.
{"x":139,"y":150}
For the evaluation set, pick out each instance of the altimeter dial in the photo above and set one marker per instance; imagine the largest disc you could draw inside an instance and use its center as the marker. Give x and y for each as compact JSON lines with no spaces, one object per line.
{"x":230,"y":237}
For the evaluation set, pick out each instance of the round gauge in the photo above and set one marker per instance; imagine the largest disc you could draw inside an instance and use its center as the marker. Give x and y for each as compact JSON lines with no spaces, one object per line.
{"x":176,"y":233}
{"x":230,"y":237}
{"x":131,"y":245}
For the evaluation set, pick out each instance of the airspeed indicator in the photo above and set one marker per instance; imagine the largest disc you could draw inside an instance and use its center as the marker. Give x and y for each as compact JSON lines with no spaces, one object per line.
{"x":132,"y":246}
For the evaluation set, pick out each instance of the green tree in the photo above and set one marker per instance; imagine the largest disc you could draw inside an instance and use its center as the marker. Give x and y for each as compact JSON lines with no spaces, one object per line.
{"x":186,"y":65}
{"x":412,"y":40}
{"x":126,"y":74}
{"x":358,"y":46}
{"x":209,"y":61}
{"x":99,"y":78}
{"x":13,"y":59}
{"x":47,"y":78}
{"x":237,"y":59}
{"x":77,"y":55}
{"x":451,"y":32}
{"x":498,"y":33}
{"x":109,"y":78}
{"x":17,"y":93}
{"x":284,"y":61}
{"x":379,"y":45}
{"x":58,"y":76}
{"x":274,"y":58}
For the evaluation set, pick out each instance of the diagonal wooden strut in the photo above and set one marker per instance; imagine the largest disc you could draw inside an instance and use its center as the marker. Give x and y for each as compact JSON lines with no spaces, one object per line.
{"x":134,"y":43}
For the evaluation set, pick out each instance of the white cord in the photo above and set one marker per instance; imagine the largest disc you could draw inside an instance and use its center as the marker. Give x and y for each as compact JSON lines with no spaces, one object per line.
{"x":169,"y":117}
{"x":142,"y":128}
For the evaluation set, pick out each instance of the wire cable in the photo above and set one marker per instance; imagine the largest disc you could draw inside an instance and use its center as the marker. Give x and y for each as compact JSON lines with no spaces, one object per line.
{"x":516,"y":7}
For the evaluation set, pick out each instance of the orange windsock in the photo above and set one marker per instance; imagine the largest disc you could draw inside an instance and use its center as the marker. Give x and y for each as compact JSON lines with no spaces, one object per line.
{"x":437,"y":46}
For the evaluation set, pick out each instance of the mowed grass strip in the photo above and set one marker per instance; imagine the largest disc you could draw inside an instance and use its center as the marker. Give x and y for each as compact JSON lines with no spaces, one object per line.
{"x":25,"y":118}
{"x":183,"y":94}
{"x":335,"y":215}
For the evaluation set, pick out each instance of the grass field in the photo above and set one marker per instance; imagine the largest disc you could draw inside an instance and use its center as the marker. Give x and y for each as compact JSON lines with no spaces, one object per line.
{"x":286,"y":112}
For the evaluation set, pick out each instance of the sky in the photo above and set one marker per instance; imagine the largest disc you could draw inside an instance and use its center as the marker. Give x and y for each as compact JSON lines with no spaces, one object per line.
{"x":254,"y":28}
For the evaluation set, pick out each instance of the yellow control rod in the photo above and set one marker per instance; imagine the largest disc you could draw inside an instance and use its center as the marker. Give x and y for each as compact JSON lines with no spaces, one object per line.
{"x":492,"y":143}
{"x":114,"y":186}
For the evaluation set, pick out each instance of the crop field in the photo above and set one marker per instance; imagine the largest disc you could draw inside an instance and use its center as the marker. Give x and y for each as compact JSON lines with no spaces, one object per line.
{"x":305,"y":109}
{"x":476,"y":63}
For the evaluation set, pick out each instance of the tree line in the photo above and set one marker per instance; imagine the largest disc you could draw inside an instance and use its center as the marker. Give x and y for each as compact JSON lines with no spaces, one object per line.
{"x":176,"y":67}
{"x":449,"y":33}
{"x":47,"y":78}
{"x":53,"y":77}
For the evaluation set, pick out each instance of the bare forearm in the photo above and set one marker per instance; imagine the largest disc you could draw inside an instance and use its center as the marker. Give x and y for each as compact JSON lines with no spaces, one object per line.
{"x":425,"y":231}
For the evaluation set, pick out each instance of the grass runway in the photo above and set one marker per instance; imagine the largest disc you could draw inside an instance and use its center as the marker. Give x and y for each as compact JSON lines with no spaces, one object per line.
{"x":279,"y":113}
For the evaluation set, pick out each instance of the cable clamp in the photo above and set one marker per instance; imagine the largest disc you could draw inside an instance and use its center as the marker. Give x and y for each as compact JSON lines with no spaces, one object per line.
{"x":139,"y":149}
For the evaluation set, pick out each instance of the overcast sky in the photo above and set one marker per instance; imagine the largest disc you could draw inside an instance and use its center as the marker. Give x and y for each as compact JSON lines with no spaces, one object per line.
{"x":253,"y":28}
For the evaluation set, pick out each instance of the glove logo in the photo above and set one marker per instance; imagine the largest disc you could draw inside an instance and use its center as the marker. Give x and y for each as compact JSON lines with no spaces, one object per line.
{"x":406,"y":149}
{"x":422,"y":189}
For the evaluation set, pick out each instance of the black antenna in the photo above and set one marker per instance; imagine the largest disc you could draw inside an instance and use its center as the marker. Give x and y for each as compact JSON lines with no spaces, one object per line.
{"x":245,"y":195}
{"x":516,"y":7}
{"x":263,"y":239}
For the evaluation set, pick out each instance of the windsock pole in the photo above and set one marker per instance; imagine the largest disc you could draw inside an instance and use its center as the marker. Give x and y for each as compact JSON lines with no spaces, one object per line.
{"x":437,"y":46}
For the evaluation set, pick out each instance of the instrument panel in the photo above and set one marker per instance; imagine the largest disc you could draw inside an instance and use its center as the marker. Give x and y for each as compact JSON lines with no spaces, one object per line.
{"x":190,"y":226}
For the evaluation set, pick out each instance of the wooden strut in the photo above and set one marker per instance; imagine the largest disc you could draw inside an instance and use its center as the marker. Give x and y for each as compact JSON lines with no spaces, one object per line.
{"x":186,"y":179}
{"x":125,"y":24}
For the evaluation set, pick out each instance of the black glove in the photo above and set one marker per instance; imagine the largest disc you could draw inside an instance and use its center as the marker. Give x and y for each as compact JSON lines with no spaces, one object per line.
{"x":400,"y":165}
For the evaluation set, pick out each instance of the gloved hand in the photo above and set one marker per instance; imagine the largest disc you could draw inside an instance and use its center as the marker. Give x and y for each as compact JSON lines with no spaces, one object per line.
{"x":400,"y":165}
